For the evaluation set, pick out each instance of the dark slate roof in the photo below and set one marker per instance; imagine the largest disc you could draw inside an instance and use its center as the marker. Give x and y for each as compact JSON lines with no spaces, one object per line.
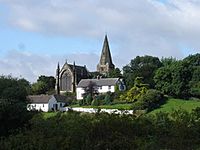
{"x":39,"y":98}
{"x":35,"y":99}
{"x":98,"y":82}
{"x":60,"y":98}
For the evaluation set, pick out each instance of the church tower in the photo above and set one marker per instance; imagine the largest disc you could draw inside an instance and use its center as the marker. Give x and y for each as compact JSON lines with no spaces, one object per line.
{"x":105,"y":64}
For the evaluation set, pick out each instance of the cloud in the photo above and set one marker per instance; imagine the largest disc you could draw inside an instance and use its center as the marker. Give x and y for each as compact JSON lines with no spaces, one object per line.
{"x":30,"y":66}
{"x":139,"y":27}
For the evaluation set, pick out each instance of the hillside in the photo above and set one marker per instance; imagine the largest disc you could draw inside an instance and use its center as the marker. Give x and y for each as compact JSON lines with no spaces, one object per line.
{"x":173,"y":104}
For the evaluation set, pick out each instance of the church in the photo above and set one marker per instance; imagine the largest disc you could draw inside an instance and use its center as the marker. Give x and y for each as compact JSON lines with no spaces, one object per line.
{"x":68,"y":77}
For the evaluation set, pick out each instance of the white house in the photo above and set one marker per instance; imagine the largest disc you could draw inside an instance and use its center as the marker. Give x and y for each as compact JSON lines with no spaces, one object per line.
{"x":46,"y":102}
{"x":102,"y":85}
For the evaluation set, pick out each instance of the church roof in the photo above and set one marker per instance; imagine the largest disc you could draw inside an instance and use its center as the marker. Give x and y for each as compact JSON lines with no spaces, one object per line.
{"x":98,"y":82}
{"x":60,"y":98}
{"x":105,"y":54}
{"x":80,"y":70}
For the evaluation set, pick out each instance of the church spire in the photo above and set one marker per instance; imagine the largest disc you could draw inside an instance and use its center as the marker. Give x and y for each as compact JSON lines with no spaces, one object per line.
{"x":105,"y":64}
{"x":105,"y":54}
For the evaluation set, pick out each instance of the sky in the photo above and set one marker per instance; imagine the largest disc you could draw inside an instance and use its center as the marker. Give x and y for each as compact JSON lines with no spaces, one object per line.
{"x":35,"y":35}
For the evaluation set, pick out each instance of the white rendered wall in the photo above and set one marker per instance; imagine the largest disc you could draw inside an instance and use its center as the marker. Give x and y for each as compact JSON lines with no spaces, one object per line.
{"x":52,"y":101}
{"x":39,"y":107}
{"x":79,"y":92}
{"x":104,"y":89}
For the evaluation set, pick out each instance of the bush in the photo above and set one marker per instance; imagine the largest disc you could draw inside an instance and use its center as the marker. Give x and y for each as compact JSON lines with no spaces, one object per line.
{"x":107,"y":99}
{"x":100,"y":97}
{"x":95,"y":102}
{"x":88,"y":99}
{"x":80,"y":102}
{"x":150,"y":100}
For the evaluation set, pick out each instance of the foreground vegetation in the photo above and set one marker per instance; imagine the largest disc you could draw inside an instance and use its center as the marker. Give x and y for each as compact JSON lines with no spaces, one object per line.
{"x":178,"y":130}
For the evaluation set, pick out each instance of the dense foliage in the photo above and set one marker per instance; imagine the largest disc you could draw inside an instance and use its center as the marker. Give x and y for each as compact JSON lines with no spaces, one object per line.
{"x":179,"y":130}
{"x":141,"y":66}
{"x":44,"y":85}
{"x":180,"y":78}
{"x":13,"y":102}
{"x":150,"y":100}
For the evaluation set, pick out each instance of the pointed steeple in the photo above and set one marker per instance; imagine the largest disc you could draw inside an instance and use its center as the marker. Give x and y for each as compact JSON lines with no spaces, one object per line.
{"x":105,"y":64}
{"x":105,"y":54}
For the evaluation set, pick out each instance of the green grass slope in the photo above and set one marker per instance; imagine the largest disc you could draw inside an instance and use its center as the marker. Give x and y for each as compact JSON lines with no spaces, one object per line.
{"x":174,"y":104}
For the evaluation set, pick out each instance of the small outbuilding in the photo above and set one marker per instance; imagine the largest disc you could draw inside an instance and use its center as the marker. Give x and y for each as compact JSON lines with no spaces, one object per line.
{"x":46,"y":102}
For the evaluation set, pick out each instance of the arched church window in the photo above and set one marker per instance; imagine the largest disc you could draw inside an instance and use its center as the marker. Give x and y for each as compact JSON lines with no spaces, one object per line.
{"x":66,"y":81}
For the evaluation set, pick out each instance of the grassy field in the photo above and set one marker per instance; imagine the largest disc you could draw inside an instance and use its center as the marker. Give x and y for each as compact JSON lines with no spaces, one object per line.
{"x":173,"y":104}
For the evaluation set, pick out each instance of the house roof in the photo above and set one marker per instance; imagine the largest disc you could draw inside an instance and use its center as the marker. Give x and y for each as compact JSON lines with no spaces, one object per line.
{"x":35,"y":99}
{"x":60,"y":98}
{"x":98,"y":82}
{"x":39,"y":98}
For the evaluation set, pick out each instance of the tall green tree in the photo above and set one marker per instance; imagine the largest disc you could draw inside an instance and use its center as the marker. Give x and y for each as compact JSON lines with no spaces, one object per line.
{"x":141,"y":66}
{"x":50,"y":81}
{"x":39,"y":87}
{"x":179,"y":78}
{"x":115,"y":73}
{"x":13,"y":113}
{"x":44,"y":84}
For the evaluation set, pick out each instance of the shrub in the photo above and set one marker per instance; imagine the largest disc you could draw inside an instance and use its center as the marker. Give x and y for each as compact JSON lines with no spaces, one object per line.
{"x":150,"y":100}
{"x":95,"y":102}
{"x":107,"y":99}
{"x":80,"y":102}
{"x":88,"y":99}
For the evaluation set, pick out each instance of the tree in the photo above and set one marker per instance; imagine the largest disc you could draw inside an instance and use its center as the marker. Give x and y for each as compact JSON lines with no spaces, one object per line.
{"x":39,"y":87}
{"x":136,"y":91}
{"x":179,"y":78}
{"x":115,"y":73}
{"x":91,"y":89}
{"x":141,"y":66}
{"x":13,"y":113}
{"x":50,"y":81}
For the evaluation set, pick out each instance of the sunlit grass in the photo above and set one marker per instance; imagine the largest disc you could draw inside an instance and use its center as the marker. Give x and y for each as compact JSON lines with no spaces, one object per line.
{"x":174,"y":104}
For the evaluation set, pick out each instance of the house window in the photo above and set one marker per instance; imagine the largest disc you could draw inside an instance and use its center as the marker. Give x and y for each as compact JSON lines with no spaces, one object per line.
{"x":100,"y":87}
{"x":109,"y":87}
{"x":43,"y":105}
{"x":60,"y":104}
{"x":35,"y":105}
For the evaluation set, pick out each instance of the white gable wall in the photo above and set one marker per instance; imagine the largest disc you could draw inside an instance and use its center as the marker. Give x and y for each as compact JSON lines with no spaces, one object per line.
{"x":51,"y":104}
{"x":79,"y":93}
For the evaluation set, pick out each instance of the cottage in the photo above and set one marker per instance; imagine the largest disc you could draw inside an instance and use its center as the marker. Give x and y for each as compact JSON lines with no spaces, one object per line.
{"x":46,"y":102}
{"x":101,"y":85}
